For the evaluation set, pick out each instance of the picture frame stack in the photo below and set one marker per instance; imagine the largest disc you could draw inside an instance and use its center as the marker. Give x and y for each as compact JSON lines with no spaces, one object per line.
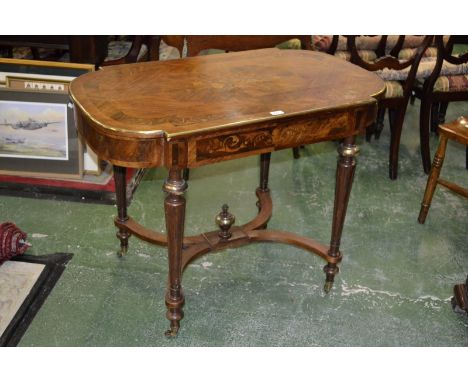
{"x":41,"y":153}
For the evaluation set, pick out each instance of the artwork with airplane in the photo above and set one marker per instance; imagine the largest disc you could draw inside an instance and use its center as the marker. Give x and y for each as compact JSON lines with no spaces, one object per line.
{"x":29,"y":124}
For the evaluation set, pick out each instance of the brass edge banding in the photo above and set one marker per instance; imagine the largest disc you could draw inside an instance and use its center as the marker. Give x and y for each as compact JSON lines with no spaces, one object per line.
{"x":169,"y":136}
{"x":145,"y":134}
{"x":269,"y":118}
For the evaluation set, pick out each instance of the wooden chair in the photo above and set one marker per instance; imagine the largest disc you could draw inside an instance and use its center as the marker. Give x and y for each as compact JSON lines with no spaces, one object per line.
{"x":458,"y":131}
{"x":448,"y":82}
{"x":399,"y":76}
{"x":196,"y":44}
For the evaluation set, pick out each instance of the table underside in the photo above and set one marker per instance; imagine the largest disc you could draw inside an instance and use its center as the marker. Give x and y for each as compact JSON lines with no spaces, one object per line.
{"x":182,"y":250}
{"x":254,"y":231}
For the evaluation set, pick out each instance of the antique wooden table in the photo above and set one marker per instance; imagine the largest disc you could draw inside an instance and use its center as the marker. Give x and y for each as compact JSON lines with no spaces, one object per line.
{"x":187,"y":113}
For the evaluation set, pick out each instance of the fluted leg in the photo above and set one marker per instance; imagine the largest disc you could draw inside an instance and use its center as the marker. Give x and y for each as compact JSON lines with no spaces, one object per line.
{"x":121,"y":196}
{"x":174,"y":207}
{"x":344,"y":180}
{"x":432,"y":179}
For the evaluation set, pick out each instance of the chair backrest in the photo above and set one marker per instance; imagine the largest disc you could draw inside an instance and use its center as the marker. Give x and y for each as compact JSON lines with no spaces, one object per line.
{"x":444,"y":53}
{"x":195,"y":44}
{"x":391,"y":62}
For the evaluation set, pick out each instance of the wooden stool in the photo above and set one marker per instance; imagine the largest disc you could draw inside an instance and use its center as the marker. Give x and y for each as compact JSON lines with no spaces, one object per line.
{"x":458,"y":131}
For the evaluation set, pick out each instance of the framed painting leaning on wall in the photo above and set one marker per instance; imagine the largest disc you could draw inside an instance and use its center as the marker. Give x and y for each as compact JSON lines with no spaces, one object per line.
{"x":37,"y":128}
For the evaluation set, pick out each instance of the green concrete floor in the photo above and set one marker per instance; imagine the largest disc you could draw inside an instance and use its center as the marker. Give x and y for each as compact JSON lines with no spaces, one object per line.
{"x":394,"y":287}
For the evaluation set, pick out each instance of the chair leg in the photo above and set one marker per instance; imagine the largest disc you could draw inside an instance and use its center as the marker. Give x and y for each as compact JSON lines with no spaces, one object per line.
{"x":435,"y":116}
{"x":370,"y":131}
{"x":442,"y":112}
{"x":396,"y":117}
{"x":296,"y":153}
{"x":391,"y":118}
{"x":377,"y":127}
{"x":432,"y":179}
{"x":424,"y":122}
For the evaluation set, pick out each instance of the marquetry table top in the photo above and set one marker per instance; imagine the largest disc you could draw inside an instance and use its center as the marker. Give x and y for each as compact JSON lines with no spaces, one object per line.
{"x":203,"y":94}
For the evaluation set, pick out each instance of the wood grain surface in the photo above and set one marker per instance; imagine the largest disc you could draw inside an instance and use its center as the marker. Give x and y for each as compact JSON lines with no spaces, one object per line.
{"x":199,"y":94}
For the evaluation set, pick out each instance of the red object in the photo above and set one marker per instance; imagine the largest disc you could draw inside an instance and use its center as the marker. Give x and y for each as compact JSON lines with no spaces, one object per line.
{"x":62,"y":183}
{"x":12,"y":241}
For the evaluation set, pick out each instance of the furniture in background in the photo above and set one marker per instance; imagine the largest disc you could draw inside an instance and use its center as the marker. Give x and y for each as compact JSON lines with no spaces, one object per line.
{"x":94,"y":186}
{"x":399,"y":76}
{"x":195,"y":44}
{"x":97,"y":50}
{"x":447,"y":82}
{"x":457,"y":131}
{"x":220,"y":107}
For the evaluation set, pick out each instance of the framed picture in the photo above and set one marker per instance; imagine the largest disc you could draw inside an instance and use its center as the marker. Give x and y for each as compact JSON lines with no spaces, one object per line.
{"x":37,"y":128}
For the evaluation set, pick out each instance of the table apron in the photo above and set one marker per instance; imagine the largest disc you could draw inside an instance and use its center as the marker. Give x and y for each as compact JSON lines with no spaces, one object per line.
{"x":241,"y":142}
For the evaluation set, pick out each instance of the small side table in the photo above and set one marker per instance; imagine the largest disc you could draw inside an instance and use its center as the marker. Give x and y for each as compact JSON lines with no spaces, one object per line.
{"x":192,"y":112}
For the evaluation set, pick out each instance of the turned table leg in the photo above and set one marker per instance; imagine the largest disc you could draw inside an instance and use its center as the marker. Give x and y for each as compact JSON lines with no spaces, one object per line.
{"x":121,"y":196}
{"x":174,"y":207}
{"x":344,"y":180}
{"x":432,"y":179}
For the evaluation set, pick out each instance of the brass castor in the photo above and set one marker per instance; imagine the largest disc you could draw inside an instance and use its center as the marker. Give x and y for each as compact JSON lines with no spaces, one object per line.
{"x":328,"y":286}
{"x":172,"y":332}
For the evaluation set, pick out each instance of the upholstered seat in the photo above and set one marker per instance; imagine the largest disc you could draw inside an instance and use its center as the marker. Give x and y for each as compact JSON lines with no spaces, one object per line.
{"x":406,"y":53}
{"x":367,"y":46}
{"x":451,"y":83}
{"x":425,"y":69}
{"x":393,"y":89}
{"x":366,"y":55}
